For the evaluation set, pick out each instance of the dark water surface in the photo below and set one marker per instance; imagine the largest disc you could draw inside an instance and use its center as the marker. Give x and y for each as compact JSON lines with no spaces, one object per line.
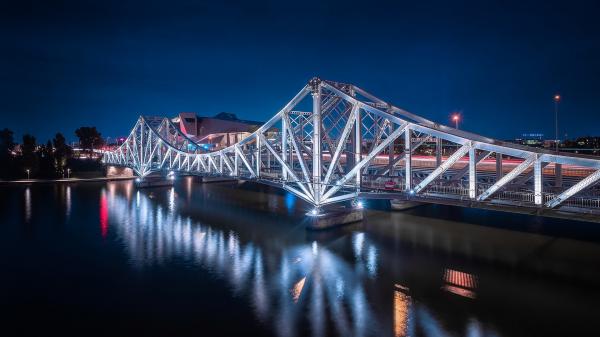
{"x":235,"y":260}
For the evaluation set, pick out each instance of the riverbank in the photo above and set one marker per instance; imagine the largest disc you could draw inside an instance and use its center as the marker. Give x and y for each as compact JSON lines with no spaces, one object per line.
{"x":62,"y":180}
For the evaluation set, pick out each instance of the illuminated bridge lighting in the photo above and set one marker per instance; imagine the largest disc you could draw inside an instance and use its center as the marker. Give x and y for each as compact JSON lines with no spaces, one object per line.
{"x":514,"y":183}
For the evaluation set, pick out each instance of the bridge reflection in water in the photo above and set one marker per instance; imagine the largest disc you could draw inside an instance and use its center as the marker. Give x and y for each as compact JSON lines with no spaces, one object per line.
{"x":351,"y":284}
{"x":287,"y":285}
{"x":306,"y":274}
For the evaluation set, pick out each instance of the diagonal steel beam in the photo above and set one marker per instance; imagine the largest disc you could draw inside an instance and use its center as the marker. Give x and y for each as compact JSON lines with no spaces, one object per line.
{"x":507,"y":178}
{"x":402,"y":155}
{"x":244,"y":160}
{"x":443,"y":167}
{"x":286,"y":167}
{"x":356,"y":169}
{"x":465,"y":169}
{"x":341,"y":144}
{"x":300,"y":159}
{"x":586,"y":182}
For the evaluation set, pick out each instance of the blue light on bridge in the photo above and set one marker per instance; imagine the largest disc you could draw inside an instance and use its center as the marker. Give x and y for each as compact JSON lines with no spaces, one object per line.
{"x":290,"y":200}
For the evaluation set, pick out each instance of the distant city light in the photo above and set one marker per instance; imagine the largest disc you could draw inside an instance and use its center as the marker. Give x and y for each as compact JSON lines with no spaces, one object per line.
{"x":557,"y":98}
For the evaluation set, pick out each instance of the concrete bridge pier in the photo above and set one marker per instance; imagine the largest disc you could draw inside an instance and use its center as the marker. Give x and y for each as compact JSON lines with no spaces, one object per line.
{"x":333,"y":217}
{"x":118,"y":172}
{"x":402,"y":205}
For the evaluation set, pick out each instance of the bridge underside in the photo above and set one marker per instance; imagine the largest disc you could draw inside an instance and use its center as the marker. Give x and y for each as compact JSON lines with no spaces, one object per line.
{"x":341,"y":143}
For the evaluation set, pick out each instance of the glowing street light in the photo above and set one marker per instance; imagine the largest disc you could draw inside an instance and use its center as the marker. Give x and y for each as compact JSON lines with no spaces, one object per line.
{"x":68,"y":173}
{"x":455,"y":119}
{"x":27,"y":173}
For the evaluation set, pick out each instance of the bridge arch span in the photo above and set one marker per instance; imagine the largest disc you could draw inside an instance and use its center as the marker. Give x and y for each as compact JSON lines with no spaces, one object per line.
{"x":334,"y":142}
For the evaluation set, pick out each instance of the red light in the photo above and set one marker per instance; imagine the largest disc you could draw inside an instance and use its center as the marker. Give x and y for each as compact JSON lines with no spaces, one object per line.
{"x":103,"y":216}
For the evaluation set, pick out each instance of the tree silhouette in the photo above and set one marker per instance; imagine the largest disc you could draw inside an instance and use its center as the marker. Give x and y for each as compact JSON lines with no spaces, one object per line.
{"x":89,"y":138}
{"x":62,"y":152}
{"x":28,"y":155}
{"x":7,"y":144}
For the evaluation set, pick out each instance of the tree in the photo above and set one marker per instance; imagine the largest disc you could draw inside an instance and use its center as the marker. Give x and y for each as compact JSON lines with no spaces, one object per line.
{"x":62,"y":152}
{"x":28,"y":154}
{"x":7,"y":144}
{"x":46,"y":161}
{"x":89,"y":138}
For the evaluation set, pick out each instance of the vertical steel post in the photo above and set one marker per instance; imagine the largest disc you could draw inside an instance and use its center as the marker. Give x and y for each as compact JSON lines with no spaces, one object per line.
{"x":499,"y":173}
{"x":257,"y":156}
{"x":438,"y":151}
{"x":391,"y":153}
{"x":236,"y":171}
{"x":284,"y":156}
{"x":537,"y":181}
{"x":472,"y":174}
{"x":558,"y":181}
{"x":407,"y":159}
{"x":357,"y":148}
{"x":316,"y":139}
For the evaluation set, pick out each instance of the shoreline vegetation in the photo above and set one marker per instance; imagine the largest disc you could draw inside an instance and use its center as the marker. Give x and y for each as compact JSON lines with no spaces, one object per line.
{"x":53,"y":160}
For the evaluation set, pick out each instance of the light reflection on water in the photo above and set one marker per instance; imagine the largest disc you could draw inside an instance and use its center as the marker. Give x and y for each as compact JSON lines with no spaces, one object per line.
{"x":300,"y":282}
{"x":397,"y":274}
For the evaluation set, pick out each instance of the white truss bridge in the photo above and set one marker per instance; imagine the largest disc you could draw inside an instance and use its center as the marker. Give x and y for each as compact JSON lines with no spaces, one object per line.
{"x":335,"y":142}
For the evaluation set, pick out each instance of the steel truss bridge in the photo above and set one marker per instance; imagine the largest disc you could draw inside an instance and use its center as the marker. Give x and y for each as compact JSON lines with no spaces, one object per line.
{"x":335,"y":142}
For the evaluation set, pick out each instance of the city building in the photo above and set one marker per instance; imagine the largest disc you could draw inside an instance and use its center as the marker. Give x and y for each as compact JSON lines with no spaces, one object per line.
{"x":531,"y":139}
{"x":221,"y":130}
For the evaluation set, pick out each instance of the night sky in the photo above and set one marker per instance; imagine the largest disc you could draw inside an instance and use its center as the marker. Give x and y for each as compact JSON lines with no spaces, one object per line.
{"x":103,"y":63}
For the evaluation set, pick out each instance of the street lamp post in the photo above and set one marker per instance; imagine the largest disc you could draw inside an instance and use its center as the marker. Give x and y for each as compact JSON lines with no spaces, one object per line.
{"x":27,"y":173}
{"x":556,"y":101}
{"x":455,"y":118}
{"x":68,"y":173}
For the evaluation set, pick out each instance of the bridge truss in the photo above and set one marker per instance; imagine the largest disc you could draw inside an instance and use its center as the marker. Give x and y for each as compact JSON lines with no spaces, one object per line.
{"x":335,"y":142}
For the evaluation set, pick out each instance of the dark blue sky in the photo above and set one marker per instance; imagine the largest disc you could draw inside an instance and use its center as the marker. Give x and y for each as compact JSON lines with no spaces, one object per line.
{"x":103,"y":63}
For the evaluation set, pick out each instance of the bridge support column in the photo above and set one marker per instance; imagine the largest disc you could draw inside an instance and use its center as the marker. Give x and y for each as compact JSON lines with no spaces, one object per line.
{"x":258,"y":160}
{"x":357,"y":138}
{"x":334,"y":218}
{"x":391,"y":154}
{"x":284,"y":156}
{"x":316,"y":96}
{"x":472,"y":174}
{"x":236,"y":161}
{"x":498,"y":166}
{"x":438,"y":151}
{"x":558,"y":177}
{"x":407,"y":159}
{"x":402,"y":205}
{"x":537,"y":181}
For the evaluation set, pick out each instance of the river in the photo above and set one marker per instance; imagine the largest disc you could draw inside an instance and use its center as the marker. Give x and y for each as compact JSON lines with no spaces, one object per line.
{"x":234,"y":259}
